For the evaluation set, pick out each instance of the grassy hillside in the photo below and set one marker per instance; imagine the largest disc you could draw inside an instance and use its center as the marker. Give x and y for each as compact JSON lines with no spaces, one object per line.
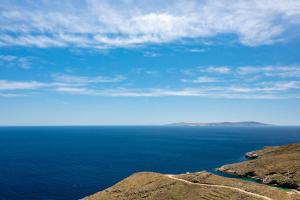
{"x":196,"y":186}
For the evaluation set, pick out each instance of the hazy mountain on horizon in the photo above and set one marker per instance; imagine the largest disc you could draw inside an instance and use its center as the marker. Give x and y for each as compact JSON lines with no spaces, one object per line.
{"x":242,"y":123}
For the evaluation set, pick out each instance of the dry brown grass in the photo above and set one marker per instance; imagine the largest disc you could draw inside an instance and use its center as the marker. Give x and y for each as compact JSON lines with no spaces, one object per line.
{"x":154,"y":186}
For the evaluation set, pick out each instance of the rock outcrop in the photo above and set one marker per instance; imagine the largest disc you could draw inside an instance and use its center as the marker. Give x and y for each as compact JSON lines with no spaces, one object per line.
{"x":251,"y":155}
{"x":278,"y":166}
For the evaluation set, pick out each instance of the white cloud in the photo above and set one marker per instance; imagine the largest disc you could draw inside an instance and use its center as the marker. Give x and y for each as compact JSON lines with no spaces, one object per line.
{"x":11,"y":95}
{"x":271,"y":71}
{"x":71,"y":89}
{"x":273,"y":82}
{"x":211,"y":70}
{"x":216,"y":69}
{"x":268,"y":90}
{"x":21,"y":85}
{"x":151,"y":54}
{"x":61,"y":82}
{"x":221,"y":92}
{"x":251,"y":72}
{"x":10,"y":60}
{"x":123,"y":23}
{"x":7,"y":58}
{"x":87,"y":80}
{"x":196,"y":50}
{"x":280,"y":85}
{"x":24,"y":63}
{"x":202,"y":79}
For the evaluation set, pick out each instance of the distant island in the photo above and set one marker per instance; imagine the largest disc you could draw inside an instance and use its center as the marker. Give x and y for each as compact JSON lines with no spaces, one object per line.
{"x":243,"y":123}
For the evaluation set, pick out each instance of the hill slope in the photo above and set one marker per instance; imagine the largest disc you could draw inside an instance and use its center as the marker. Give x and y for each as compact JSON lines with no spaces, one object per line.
{"x":196,"y":186}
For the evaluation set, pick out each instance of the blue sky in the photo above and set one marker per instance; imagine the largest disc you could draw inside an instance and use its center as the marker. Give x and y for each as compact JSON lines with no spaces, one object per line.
{"x":149,"y":62}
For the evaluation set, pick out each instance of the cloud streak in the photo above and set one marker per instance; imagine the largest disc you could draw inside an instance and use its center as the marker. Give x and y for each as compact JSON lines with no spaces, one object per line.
{"x":271,"y":71}
{"x":21,"y":85}
{"x":252,"y":82}
{"x":123,"y":23}
{"x":275,"y":90}
{"x":87,"y":80}
{"x":221,"y":92}
{"x":281,"y":71}
{"x":202,"y":79}
{"x":11,"y":60}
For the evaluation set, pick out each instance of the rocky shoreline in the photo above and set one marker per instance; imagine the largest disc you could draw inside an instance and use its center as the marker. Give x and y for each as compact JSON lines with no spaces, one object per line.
{"x":276,"y":166}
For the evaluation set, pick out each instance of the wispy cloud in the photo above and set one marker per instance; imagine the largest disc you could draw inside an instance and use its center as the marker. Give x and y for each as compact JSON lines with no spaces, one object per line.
{"x":216,"y":69}
{"x":201,"y":79}
{"x":267,"y":87}
{"x":280,"y":85}
{"x":87,"y":80}
{"x":275,"y":71}
{"x":196,"y":50}
{"x":221,"y":92}
{"x":151,"y":54}
{"x":210,"y":70}
{"x":255,"y":72}
{"x":60,"y":82}
{"x":208,"y":82}
{"x":10,"y":60}
{"x":143,"y":71}
{"x":7,"y":58}
{"x":11,"y":95}
{"x":21,"y":85}
{"x":123,"y":23}
{"x":264,"y":91}
{"x":72,"y":89}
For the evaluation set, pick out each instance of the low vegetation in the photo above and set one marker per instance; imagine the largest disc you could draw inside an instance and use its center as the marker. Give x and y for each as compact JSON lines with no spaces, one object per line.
{"x":279,"y":166}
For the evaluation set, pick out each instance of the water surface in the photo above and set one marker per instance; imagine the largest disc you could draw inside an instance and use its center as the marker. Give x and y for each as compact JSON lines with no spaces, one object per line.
{"x":65,"y":163}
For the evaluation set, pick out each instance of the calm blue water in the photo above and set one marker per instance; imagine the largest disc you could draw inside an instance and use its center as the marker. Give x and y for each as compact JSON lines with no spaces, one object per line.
{"x":66,"y":163}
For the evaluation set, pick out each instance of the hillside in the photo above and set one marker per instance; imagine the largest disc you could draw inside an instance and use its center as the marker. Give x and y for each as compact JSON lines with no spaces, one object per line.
{"x":195,"y":186}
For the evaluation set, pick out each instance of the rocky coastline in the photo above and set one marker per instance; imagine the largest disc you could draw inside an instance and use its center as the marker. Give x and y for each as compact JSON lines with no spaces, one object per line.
{"x":276,"y":166}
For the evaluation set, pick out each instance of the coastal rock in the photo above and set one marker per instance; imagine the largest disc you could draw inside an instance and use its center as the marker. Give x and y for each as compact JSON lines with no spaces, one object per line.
{"x":278,"y":166}
{"x":251,"y":155}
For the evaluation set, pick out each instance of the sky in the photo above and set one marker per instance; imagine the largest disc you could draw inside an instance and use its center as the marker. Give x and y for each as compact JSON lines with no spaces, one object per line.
{"x":129,"y":62}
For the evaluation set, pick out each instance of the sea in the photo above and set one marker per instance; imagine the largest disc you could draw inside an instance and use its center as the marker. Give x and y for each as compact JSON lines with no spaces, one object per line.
{"x":66,"y":163}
